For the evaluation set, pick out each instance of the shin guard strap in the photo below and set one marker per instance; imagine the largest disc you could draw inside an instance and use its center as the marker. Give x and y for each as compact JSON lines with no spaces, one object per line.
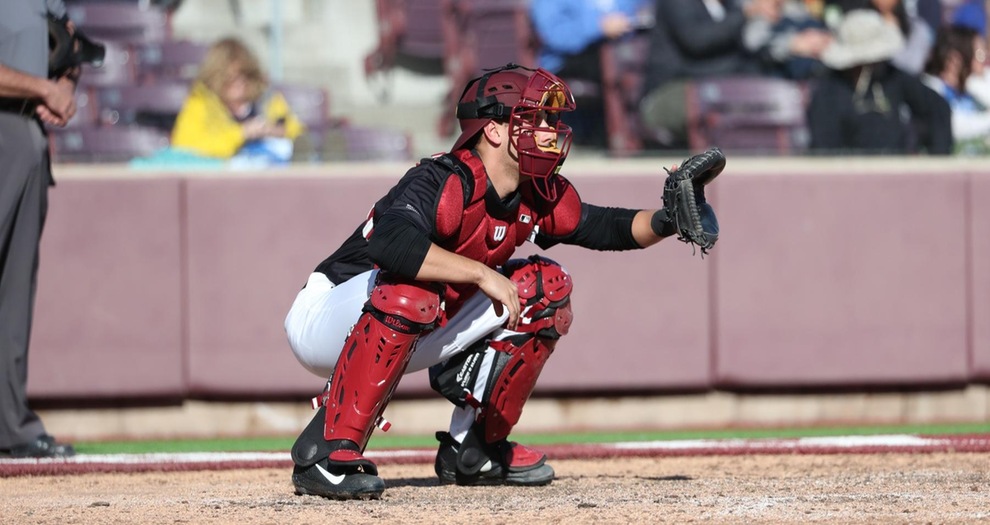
{"x":311,"y":446}
{"x":346,"y":457}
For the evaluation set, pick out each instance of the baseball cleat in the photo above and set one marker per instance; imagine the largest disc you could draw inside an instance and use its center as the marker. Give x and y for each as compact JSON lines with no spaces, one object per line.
{"x":509,"y":463}
{"x":334,"y":482}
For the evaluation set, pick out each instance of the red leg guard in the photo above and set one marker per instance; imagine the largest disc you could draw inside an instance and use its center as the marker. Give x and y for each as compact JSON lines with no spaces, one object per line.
{"x":516,"y":369}
{"x":545,"y":292}
{"x":375,"y":356}
{"x":513,"y":367}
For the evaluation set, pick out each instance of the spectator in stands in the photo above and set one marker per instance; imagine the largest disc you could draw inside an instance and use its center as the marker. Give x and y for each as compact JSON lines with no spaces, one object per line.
{"x":570,"y":34}
{"x":27,"y":98}
{"x":931,"y":11}
{"x":230,"y":110}
{"x":960,"y":52}
{"x":919,"y":35}
{"x":692,"y":39}
{"x":865,"y":105}
{"x":971,"y":14}
{"x":788,"y":40}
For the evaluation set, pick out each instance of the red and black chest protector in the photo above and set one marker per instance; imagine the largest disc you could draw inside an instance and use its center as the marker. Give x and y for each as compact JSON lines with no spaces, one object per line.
{"x":473,"y":221}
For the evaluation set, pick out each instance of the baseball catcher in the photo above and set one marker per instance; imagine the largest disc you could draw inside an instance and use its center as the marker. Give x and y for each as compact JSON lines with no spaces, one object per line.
{"x":427,"y":280}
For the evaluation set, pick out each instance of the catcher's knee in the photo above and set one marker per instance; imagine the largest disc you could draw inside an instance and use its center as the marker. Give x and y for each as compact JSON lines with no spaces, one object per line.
{"x":497,"y":376}
{"x":405,"y":305}
{"x":545,"y":296}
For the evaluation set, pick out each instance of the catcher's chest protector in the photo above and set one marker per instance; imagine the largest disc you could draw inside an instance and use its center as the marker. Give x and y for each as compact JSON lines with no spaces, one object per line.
{"x":474,"y":222}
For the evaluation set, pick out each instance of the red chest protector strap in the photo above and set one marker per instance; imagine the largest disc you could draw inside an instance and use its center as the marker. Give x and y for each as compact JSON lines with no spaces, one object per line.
{"x":470,"y":170}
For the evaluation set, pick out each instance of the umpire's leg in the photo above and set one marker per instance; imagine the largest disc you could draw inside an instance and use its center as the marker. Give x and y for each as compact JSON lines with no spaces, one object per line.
{"x":24,"y":178}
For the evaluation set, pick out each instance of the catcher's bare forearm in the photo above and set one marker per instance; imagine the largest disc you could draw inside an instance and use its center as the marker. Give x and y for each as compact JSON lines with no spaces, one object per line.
{"x":643,"y":229}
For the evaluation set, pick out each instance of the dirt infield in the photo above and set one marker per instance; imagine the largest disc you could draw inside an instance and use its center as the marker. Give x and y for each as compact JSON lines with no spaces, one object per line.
{"x":932,"y":487}
{"x":895,"y":488}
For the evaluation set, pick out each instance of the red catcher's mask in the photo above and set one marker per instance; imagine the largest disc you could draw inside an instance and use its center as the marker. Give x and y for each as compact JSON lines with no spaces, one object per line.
{"x":531,"y":101}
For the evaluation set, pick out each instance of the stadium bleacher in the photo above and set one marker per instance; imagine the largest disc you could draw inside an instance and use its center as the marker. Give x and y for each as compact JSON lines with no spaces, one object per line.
{"x":128,"y":104}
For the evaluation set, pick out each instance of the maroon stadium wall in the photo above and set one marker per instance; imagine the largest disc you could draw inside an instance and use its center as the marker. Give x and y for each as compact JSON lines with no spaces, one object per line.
{"x":828,"y":275}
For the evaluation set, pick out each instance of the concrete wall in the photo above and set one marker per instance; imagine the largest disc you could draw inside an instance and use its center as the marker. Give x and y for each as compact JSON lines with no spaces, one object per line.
{"x":850,"y":276}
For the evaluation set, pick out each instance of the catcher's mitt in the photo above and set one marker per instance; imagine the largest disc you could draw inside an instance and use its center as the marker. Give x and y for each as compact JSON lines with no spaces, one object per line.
{"x":684,"y":199}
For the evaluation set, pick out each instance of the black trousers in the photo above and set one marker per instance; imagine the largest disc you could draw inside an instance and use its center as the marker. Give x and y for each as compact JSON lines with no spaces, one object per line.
{"x":25,"y":174}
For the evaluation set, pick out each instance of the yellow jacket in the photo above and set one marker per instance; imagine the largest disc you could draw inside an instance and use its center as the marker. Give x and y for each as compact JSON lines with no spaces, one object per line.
{"x":205,"y":126}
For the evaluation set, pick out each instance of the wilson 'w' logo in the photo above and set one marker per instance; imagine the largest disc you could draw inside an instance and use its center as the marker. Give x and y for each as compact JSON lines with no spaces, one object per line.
{"x":499,"y":233}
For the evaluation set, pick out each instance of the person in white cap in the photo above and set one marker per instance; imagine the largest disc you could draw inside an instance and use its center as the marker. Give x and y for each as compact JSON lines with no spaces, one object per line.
{"x":865,"y":105}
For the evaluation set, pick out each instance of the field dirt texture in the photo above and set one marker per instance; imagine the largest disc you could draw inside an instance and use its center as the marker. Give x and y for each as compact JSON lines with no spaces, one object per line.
{"x":832,"y":488}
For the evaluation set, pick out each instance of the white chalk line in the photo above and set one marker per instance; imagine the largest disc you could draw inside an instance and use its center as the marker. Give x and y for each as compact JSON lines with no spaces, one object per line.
{"x":808,"y":444}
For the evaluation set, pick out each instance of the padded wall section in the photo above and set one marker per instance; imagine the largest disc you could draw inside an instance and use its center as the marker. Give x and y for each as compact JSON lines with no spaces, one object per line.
{"x":252,"y":244}
{"x":157,"y":287}
{"x":640,"y":317}
{"x":108,"y":320}
{"x":246,"y":266}
{"x":841,"y":280}
{"x":980,"y":270}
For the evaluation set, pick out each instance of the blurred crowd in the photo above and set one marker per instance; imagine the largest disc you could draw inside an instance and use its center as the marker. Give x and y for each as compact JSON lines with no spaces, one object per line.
{"x":155,"y":100}
{"x":874,"y":76}
{"x":781,"y":77}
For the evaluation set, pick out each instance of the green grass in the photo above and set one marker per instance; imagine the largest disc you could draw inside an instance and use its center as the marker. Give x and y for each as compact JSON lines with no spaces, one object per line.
{"x":385,"y":441}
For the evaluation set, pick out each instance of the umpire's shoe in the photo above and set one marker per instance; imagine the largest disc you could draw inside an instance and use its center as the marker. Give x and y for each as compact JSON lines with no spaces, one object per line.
{"x":502,"y":463}
{"x":344,"y":474}
{"x":43,"y":446}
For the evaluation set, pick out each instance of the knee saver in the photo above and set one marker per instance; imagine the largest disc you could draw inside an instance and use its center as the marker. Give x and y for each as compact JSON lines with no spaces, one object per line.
{"x":545,"y":296}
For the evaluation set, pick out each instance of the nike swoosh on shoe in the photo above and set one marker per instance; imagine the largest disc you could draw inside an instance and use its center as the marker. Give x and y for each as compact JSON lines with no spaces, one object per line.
{"x":336,"y":480}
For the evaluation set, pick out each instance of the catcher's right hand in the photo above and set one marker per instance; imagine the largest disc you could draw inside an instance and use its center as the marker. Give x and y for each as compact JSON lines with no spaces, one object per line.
{"x":692,"y":218}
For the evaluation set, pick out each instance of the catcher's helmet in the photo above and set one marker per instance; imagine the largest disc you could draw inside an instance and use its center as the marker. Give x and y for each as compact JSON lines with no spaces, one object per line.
{"x":531,"y":101}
